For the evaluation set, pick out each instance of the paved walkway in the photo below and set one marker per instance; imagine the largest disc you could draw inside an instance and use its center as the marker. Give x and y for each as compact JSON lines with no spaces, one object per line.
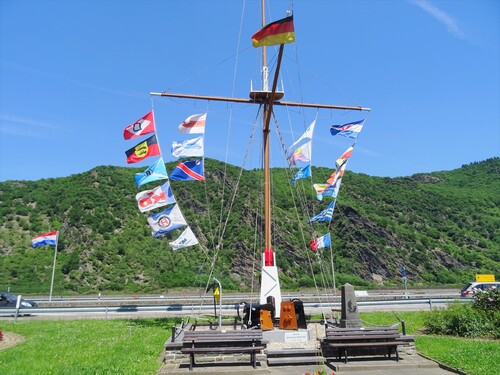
{"x":409,"y":364}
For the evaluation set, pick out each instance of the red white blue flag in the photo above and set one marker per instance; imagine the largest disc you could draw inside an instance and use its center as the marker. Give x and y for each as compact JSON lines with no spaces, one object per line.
{"x":45,"y":239}
{"x":320,"y":242}
{"x":350,"y":130}
{"x":188,"y":170}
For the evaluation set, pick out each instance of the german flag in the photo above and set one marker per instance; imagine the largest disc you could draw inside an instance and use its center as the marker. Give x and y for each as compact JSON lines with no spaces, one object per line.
{"x":277,"y":32}
{"x":141,"y":151}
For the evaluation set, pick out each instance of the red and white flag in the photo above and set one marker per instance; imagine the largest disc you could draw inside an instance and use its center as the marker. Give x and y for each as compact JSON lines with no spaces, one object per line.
{"x":159,"y":197}
{"x":143,"y":126}
{"x":194,"y":124}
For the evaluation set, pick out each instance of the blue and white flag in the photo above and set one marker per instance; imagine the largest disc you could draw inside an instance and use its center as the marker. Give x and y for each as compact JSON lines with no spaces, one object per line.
{"x":188,"y":170}
{"x":191,"y":147}
{"x":303,"y":173}
{"x":159,"y":197}
{"x":350,"y":130}
{"x":166,"y":221}
{"x":155,"y":172}
{"x":320,"y":242}
{"x":325,"y":215}
{"x":186,"y":239}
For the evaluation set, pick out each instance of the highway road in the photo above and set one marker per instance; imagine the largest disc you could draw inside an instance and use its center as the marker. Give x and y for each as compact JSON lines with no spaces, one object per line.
{"x":190,"y":304}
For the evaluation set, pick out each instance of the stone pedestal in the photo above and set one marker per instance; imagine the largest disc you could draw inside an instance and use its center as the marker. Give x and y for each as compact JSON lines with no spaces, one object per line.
{"x":349,"y":316}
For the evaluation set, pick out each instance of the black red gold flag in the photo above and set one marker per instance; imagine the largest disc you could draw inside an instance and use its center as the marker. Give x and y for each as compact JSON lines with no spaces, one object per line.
{"x":141,"y":151}
{"x":277,"y":32}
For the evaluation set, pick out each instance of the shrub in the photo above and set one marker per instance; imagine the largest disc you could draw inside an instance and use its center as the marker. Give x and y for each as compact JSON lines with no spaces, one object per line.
{"x":487,"y":301}
{"x":457,"y":320}
{"x":480,"y":318}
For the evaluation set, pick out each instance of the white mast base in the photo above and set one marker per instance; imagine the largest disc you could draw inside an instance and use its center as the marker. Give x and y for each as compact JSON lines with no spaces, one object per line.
{"x":270,"y":285}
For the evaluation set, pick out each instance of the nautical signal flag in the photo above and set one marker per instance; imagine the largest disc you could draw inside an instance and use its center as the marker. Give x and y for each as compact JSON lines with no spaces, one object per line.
{"x":350,"y":130}
{"x":155,"y":172}
{"x":143,"y":126}
{"x":166,"y":221}
{"x":337,"y":173}
{"x":188,"y":170}
{"x":190,"y":147}
{"x":302,"y":173}
{"x":159,"y":197}
{"x":301,"y":149}
{"x":45,"y":239}
{"x":342,"y":160}
{"x":277,"y":32}
{"x":186,"y":239}
{"x":320,"y":242}
{"x":141,"y":151}
{"x":194,"y":124}
{"x":325,"y":215}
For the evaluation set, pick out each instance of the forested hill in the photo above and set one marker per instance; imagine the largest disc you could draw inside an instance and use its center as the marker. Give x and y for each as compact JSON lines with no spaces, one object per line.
{"x":442,"y":226}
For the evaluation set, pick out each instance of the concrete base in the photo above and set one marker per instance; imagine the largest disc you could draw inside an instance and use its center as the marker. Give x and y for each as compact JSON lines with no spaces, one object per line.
{"x":405,"y":364}
{"x":282,"y":335}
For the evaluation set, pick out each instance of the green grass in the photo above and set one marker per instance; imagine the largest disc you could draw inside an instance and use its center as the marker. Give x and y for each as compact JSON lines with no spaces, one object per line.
{"x":134,"y":346}
{"x":474,"y":357}
{"x":85,"y":347}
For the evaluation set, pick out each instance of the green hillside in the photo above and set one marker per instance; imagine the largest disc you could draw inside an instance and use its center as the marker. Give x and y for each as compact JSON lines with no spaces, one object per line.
{"x":443,"y":227}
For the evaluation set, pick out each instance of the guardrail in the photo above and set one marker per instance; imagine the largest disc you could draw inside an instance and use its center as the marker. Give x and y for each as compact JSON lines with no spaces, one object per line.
{"x":228,"y":308}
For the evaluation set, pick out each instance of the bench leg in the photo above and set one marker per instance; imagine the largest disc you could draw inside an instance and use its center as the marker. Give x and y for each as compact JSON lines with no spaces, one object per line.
{"x":253,"y":359}
{"x":345,"y":355}
{"x":191,"y":361}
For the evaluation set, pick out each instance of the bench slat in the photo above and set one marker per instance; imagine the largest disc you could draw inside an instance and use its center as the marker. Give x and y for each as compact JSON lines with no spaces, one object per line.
{"x":345,"y":338}
{"x":232,"y":341}
{"x":364,"y":344}
{"x":228,"y":349}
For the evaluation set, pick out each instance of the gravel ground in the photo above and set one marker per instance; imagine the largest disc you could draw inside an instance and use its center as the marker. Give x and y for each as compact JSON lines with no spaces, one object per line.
{"x":10,"y":339}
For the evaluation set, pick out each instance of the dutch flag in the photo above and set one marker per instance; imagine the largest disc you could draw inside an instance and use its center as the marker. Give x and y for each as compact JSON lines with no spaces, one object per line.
{"x":45,"y":239}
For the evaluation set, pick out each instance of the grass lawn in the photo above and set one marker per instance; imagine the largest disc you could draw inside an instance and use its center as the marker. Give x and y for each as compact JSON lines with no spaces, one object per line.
{"x":85,"y":347}
{"x":472,"y":356}
{"x":133,"y":346}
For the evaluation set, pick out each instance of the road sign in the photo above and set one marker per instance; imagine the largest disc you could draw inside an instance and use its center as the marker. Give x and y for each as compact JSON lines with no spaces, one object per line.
{"x":485,"y":278}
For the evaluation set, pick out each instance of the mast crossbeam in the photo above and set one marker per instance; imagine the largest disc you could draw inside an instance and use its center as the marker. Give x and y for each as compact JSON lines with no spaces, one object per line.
{"x":253,"y":101}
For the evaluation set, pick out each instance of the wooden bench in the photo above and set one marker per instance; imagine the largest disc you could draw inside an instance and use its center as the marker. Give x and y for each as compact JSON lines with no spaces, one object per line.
{"x":345,"y":339}
{"x":223,"y":342}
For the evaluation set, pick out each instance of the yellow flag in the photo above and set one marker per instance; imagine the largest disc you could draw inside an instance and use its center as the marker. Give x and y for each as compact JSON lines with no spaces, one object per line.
{"x":217,"y":294}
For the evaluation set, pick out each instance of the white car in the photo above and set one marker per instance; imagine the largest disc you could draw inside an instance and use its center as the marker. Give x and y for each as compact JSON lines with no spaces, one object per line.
{"x":467,"y":290}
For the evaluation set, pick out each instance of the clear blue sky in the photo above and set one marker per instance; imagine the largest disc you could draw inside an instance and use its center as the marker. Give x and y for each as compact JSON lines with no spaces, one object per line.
{"x":74,"y":73}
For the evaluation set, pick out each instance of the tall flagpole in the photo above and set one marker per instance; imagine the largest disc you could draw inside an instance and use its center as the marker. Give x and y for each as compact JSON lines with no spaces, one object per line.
{"x":54,"y":267}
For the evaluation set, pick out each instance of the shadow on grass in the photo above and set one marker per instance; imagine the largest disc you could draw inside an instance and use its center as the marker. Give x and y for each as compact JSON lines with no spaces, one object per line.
{"x":166,"y":323}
